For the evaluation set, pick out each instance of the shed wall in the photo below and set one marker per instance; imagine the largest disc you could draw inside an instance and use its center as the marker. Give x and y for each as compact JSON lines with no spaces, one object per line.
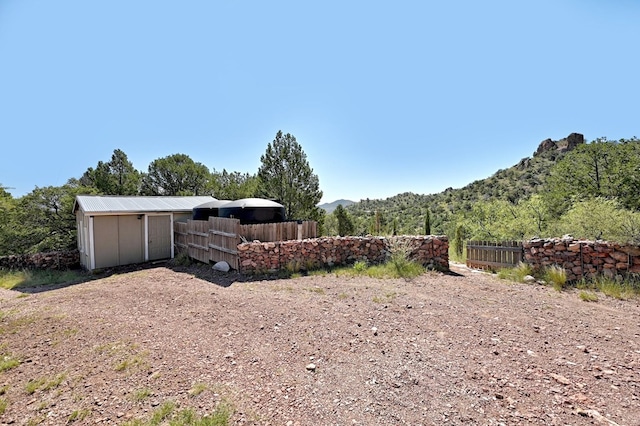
{"x":118,"y":240}
{"x":105,"y":241}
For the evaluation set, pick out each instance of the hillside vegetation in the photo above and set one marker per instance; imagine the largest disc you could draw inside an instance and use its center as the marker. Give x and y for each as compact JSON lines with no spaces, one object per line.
{"x":567,"y":186}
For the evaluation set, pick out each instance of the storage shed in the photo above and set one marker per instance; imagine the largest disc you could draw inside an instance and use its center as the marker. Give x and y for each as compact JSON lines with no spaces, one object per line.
{"x":117,"y":230}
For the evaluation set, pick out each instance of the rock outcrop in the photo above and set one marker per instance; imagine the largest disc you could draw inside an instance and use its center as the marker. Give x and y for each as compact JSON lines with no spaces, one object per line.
{"x":563,"y":145}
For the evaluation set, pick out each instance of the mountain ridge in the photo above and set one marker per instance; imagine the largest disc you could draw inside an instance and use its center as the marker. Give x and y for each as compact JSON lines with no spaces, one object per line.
{"x":407,"y":212}
{"x":330,"y":207}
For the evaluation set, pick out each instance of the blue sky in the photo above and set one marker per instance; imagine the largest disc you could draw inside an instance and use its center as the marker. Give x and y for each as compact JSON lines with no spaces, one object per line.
{"x":384,"y":97}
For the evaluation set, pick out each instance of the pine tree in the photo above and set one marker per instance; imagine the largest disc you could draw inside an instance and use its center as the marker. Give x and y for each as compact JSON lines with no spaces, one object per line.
{"x":285,"y":175}
{"x":427,"y":223}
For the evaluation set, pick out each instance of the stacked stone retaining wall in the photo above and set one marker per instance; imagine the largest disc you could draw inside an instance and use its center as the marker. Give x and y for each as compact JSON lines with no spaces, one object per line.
{"x":582,"y":258}
{"x":51,"y":260}
{"x":334,"y":251}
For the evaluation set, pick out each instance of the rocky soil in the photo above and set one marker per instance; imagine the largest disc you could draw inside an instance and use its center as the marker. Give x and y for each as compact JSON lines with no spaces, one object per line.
{"x":461,"y":348}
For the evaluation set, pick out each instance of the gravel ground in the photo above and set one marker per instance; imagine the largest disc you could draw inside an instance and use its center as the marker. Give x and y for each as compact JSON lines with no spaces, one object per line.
{"x":459,"y":348}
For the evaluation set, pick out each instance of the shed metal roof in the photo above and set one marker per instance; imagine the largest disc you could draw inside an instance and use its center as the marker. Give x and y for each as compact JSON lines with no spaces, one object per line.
{"x":121,"y":204}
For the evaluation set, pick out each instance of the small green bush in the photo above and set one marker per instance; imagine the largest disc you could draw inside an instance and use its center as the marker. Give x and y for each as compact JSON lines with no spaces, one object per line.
{"x":360,"y":266}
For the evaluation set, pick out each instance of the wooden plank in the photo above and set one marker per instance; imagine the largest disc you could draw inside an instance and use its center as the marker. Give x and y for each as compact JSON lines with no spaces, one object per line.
{"x":200,"y":234}
{"x":199,"y":246}
{"x":224,"y":249}
{"x":222,"y":233}
{"x":496,"y":249}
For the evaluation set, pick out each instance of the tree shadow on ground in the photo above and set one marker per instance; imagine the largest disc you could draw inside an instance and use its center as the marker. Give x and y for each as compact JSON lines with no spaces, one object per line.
{"x":202,"y":271}
{"x":199,"y":270}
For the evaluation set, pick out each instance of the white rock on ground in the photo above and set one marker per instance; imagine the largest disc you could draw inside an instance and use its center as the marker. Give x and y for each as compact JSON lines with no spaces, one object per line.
{"x":222,"y":266}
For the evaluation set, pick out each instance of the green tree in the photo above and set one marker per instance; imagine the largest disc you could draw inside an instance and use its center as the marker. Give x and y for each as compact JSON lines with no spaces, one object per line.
{"x":458,"y":240}
{"x":115,"y":177}
{"x":7,"y":226}
{"x":600,"y":218}
{"x":44,"y":220}
{"x":427,"y":223}
{"x":285,"y":175}
{"x":176,"y":174}
{"x":234,"y":185}
{"x":602,"y":168}
{"x":345,"y":223}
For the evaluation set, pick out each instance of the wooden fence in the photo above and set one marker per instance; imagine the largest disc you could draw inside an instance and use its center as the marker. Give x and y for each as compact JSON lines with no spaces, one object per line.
{"x":281,"y":231}
{"x":217,"y":239}
{"x":494,"y":255}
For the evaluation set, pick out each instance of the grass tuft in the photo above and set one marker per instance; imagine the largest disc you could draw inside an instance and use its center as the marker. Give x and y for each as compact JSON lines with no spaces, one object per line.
{"x":142,"y":394}
{"x":7,"y":361}
{"x":78,"y":415}
{"x":516,"y":274}
{"x":3,"y":405}
{"x":166,"y":414}
{"x":557,"y":276}
{"x":588,"y":296}
{"x":618,"y":287}
{"x":197,"y":389}
{"x":45,"y":383}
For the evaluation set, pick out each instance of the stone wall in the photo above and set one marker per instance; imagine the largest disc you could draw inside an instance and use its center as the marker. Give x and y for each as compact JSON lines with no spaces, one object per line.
{"x":334,"y":251}
{"x":581,"y":258}
{"x":51,"y":260}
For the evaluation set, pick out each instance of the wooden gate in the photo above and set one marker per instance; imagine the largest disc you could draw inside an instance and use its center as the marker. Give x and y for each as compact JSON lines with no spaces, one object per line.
{"x":494,"y":255}
{"x":223,"y":240}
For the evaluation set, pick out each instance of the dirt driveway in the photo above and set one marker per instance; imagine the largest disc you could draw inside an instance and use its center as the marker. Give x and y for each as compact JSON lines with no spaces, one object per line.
{"x":319,"y":350}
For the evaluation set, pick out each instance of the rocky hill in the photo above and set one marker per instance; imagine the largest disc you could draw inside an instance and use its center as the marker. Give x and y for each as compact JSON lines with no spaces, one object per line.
{"x":407,"y":212}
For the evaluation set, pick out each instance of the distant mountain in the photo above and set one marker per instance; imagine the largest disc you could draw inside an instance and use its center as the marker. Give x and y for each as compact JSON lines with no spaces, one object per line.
{"x":407,"y":211}
{"x":330,"y":207}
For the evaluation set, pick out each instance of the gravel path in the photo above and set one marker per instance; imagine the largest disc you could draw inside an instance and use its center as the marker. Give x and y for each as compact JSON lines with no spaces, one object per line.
{"x":461,"y":348}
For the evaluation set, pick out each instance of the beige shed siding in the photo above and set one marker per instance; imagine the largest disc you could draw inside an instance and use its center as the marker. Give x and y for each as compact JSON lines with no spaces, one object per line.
{"x":130,"y":239}
{"x":160,"y":230}
{"x":105,"y":242}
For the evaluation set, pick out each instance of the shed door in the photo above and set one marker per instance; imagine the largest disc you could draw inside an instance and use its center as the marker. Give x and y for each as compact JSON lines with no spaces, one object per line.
{"x":159,"y":237}
{"x":105,"y":237}
{"x":117,"y":240}
{"x":130,"y":237}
